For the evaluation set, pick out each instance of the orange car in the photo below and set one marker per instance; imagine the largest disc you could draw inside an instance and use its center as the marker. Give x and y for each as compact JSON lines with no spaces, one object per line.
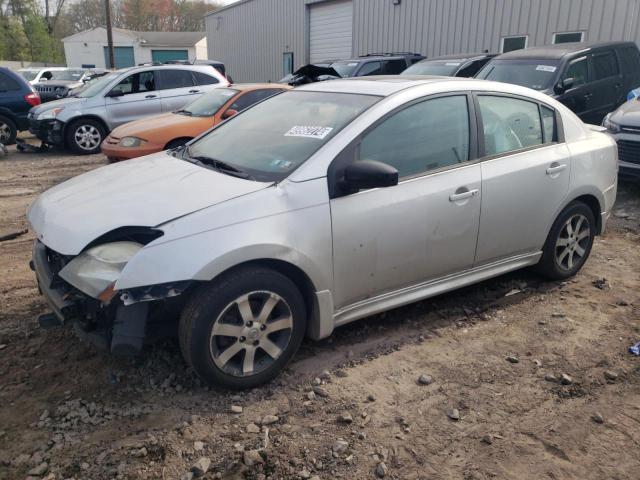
{"x":170,"y":130}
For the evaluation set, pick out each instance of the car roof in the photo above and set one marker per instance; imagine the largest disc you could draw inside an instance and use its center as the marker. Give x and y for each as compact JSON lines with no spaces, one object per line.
{"x":558,"y":51}
{"x":379,"y":56}
{"x":459,"y":56}
{"x":258,"y":86}
{"x":380,"y":85}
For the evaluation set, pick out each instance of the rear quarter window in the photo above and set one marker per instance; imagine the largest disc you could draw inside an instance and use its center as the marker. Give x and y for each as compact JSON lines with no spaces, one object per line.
{"x":204,"y":79}
{"x":8,"y":83}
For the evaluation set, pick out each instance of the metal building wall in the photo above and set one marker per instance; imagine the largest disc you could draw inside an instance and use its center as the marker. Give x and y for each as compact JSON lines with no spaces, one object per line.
{"x":251,"y":36}
{"x":439,"y":27}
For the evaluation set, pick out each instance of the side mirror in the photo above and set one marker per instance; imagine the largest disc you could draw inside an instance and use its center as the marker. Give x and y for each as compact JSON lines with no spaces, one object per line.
{"x":229,"y":113}
{"x":564,"y":85}
{"x":116,"y":92}
{"x":363,"y":174}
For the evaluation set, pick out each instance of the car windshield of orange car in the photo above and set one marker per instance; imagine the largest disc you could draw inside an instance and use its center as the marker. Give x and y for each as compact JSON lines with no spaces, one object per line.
{"x":207,"y":105}
{"x":271,"y":139}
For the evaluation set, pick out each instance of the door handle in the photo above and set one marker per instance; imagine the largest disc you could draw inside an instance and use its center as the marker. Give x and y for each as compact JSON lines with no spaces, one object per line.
{"x":456,"y":197}
{"x":150,"y":96}
{"x":194,"y":91}
{"x":556,"y":169}
{"x":588,"y":95}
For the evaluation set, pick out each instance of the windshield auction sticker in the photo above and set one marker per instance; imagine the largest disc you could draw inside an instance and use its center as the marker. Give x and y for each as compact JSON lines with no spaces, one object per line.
{"x":308,"y":131}
{"x":546,"y":68}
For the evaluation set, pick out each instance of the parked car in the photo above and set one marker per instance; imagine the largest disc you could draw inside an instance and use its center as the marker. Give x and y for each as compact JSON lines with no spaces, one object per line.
{"x":313,"y":72}
{"x":17,"y":96}
{"x":174,"y":129}
{"x":61,"y":81}
{"x":35,"y":75}
{"x":212,"y":63}
{"x":624,"y":125}
{"x":592,"y":79}
{"x":317,"y":207}
{"x":83,"y":122}
{"x":457,"y":65}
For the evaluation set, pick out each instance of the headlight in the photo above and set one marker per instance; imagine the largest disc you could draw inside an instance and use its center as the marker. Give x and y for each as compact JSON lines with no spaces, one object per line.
{"x":95,"y":271}
{"x":49,"y":114}
{"x":613,"y":127}
{"x":131,"y":142}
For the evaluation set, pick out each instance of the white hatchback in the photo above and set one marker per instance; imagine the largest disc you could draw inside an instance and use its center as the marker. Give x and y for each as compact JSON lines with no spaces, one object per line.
{"x":317,"y":207}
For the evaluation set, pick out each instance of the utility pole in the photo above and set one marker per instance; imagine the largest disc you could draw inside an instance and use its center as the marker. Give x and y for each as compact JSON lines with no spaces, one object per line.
{"x":112,"y":63}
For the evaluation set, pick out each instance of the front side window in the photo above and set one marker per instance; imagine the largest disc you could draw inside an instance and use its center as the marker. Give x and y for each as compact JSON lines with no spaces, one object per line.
{"x":272,"y":139}
{"x":176,"y":79}
{"x":429,"y":135}
{"x":605,"y":65}
{"x":137,"y":83}
{"x":370,"y":68}
{"x":578,"y":70}
{"x":509,"y":124}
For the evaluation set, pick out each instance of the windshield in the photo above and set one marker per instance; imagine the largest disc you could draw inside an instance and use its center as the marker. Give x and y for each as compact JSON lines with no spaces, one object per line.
{"x":273,"y":138}
{"x":536,"y":74}
{"x":445,"y":68}
{"x":207,"y":105}
{"x":67,"y":74}
{"x":345,"y":69}
{"x":94,"y":87}
{"x":28,"y":75}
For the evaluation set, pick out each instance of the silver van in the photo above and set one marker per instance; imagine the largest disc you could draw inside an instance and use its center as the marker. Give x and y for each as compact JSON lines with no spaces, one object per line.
{"x":82,"y":123}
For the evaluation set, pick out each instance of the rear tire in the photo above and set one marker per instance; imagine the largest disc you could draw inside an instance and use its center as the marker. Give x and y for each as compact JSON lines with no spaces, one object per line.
{"x":241,"y":330}
{"x":569,"y":242}
{"x":84,"y":136}
{"x":8,"y":131}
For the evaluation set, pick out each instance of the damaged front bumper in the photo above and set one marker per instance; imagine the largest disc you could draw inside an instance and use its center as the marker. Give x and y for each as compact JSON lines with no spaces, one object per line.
{"x":50,"y":131}
{"x":120,"y":326}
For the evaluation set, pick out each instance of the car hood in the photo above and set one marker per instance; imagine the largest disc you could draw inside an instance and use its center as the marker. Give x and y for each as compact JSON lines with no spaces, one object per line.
{"x":63,"y":102}
{"x":148,"y":127}
{"x":628,"y":114}
{"x":145,"y":192}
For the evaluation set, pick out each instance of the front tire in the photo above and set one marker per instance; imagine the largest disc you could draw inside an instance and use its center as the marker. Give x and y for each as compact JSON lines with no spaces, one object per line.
{"x":84,"y":136}
{"x":569,"y":242}
{"x":241,"y":330}
{"x":8,"y":131}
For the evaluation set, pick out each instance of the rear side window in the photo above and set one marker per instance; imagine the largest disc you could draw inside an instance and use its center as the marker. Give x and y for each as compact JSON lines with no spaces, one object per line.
{"x":204,"y":79}
{"x":509,"y":124}
{"x":426,"y":136}
{"x":394,"y":67}
{"x":370,"y":68}
{"x":8,"y":84}
{"x":252,"y":98}
{"x":176,"y":79}
{"x":630,"y":60}
{"x":605,"y":65}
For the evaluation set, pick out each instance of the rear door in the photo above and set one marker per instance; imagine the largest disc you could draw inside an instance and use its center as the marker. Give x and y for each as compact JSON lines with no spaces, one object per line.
{"x":177,"y":88}
{"x":140,"y":99}
{"x":629,"y":58}
{"x":607,"y":84}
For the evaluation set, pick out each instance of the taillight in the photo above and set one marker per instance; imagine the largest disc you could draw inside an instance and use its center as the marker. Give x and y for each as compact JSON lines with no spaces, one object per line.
{"x":32,"y":99}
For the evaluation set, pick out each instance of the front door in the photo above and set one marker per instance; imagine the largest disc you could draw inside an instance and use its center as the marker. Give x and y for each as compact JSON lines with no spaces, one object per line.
{"x":525,"y":176}
{"x":140,"y":99}
{"x":579,"y":96}
{"x":426,"y":226}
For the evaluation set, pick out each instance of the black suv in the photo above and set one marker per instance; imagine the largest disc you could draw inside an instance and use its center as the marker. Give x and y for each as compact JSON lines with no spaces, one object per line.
{"x":592,"y":79}
{"x":17,"y":96}
{"x":376,"y":64}
{"x":457,"y":65}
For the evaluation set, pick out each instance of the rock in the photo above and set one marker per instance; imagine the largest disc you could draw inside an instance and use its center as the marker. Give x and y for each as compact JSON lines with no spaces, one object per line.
{"x":269,"y":419}
{"x":566,"y":379}
{"x":139,"y":453}
{"x":340,"y":446}
{"x":488,"y":439}
{"x":345,"y":418}
{"x":85,"y":466}
{"x":425,"y":379}
{"x":187,"y":476}
{"x":321,"y":392}
{"x":315,"y":477}
{"x":252,"y":457}
{"x":201,"y":466}
{"x":610,"y":376}
{"x":39,"y":470}
{"x":550,"y":377}
{"x":381,"y":470}
{"x":236,"y":409}
{"x":558,"y":315}
{"x":325,"y":375}
{"x":371,"y":397}
{"x":305,"y":474}
{"x":341,"y":374}
{"x":537,"y":363}
{"x":597,"y":417}
{"x":512,"y":359}
{"x":253,"y":428}
{"x":620,"y":214}
{"x":454,"y":414}
{"x":3,"y":346}
{"x":198,"y":446}
{"x":21,"y":460}
{"x":601,"y":283}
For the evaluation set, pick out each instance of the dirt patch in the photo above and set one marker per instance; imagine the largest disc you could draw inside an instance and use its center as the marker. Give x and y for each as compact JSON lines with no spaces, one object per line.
{"x":74,"y":413}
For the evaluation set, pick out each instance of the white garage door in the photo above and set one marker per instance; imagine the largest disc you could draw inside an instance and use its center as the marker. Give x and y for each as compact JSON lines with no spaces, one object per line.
{"x":331,"y":28}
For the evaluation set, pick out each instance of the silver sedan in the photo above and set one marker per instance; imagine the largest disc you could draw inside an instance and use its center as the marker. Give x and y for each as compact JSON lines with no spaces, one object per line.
{"x":318,"y":207}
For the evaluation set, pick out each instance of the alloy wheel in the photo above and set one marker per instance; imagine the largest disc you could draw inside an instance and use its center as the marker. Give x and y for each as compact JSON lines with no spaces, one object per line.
{"x":251,"y":333}
{"x":87,"y":137}
{"x":572,"y":242}
{"x":5,"y":132}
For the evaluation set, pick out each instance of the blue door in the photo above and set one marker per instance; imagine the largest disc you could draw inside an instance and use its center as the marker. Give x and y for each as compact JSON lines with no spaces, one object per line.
{"x":122,"y":56}
{"x":162,"y":56}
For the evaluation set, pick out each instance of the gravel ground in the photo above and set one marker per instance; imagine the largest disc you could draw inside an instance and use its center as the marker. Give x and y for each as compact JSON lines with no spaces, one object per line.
{"x":514,"y":378}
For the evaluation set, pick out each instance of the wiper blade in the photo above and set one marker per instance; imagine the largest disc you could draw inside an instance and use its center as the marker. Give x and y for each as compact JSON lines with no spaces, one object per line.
{"x":221,"y":166}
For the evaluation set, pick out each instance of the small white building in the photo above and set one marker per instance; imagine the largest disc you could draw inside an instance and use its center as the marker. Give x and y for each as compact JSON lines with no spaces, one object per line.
{"x":133,"y":48}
